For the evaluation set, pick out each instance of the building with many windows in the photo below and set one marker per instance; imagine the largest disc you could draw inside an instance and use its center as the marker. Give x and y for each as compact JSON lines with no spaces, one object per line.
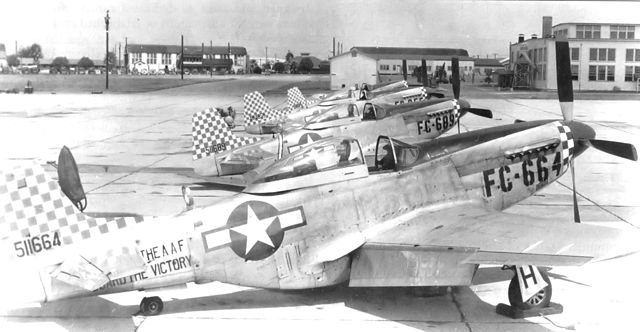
{"x":373,"y":65}
{"x":150,"y":59}
{"x":604,"y":56}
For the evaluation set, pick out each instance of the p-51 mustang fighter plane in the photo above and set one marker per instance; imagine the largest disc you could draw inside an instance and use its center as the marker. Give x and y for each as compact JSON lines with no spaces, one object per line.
{"x":260,"y":118}
{"x":423,"y":215}
{"x":222,"y":156}
{"x":375,"y":88}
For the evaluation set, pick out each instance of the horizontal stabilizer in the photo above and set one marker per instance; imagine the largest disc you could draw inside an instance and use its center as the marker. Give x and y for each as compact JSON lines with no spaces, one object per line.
{"x":92,"y":272}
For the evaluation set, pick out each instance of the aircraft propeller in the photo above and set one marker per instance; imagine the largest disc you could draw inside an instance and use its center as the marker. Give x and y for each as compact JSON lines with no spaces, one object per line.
{"x":455,"y":84}
{"x":583,"y":134}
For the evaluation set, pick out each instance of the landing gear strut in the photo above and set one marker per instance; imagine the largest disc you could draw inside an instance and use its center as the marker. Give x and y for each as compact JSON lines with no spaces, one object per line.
{"x":151,"y":306}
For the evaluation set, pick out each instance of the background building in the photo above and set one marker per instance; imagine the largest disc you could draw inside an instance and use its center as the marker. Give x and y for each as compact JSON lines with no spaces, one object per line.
{"x":485,"y":67}
{"x":604,"y":56}
{"x":381,"y":64}
{"x":147,"y":58}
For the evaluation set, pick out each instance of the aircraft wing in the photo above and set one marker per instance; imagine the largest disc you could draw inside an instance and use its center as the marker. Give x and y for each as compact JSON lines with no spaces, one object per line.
{"x":504,"y":238}
{"x":445,"y":246}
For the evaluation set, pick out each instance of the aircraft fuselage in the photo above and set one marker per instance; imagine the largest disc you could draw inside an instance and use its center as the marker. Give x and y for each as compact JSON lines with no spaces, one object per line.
{"x":273,"y":240}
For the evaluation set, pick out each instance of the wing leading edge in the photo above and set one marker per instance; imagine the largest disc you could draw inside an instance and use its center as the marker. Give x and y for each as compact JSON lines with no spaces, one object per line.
{"x":444,"y":247}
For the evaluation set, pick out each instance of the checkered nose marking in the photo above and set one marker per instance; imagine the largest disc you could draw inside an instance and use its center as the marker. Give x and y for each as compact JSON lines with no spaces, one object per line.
{"x":211,"y":135}
{"x":37,"y":216}
{"x":567,"y":143}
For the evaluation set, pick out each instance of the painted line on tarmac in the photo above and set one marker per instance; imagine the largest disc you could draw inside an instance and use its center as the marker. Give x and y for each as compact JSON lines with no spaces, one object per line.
{"x":598,"y":205}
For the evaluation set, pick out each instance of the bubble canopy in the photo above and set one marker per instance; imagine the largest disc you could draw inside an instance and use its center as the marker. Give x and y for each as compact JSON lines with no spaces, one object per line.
{"x":328,"y":160}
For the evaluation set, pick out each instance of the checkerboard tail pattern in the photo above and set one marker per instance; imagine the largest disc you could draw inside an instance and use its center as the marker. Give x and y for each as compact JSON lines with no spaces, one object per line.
{"x":296,"y":99}
{"x":33,"y":205}
{"x":212,"y":135}
{"x":256,"y":110}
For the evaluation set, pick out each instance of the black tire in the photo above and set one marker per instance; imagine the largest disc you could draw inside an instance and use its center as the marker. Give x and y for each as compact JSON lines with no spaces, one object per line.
{"x":151,"y":306}
{"x":540,"y":300}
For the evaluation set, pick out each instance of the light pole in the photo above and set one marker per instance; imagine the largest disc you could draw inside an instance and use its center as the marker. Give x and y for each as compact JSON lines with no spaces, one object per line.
{"x":106,"y":23}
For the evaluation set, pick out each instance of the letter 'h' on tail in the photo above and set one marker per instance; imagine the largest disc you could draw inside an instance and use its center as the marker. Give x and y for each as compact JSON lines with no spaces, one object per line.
{"x":211,"y":135}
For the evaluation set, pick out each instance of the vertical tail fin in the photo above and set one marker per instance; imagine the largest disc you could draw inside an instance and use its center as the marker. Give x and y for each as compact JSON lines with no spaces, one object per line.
{"x":295,"y":98}
{"x":256,"y":109}
{"x":211,"y":135}
{"x":37,"y":216}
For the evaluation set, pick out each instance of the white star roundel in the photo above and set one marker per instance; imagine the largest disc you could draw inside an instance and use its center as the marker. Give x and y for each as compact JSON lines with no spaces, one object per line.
{"x":254,"y":230}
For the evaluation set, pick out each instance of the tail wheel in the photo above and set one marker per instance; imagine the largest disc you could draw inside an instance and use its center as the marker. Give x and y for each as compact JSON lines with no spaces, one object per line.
{"x":539,"y":300}
{"x":151,"y":306}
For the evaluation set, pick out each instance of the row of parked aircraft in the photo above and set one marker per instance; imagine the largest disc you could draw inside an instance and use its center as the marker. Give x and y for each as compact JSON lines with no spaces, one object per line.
{"x":358,"y":190}
{"x":391,"y":109}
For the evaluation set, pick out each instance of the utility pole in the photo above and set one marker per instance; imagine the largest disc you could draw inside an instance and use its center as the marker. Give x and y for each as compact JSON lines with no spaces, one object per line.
{"x":334,"y":46}
{"x":203,"y":56}
{"x":182,"y":57}
{"x":119,"y":57}
{"x":106,"y":22}
{"x":126,"y":56}
{"x":265,"y":55}
{"x":211,"y":58}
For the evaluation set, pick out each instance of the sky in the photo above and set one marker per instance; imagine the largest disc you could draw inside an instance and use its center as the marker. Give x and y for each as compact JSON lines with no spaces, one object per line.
{"x":75,"y":28}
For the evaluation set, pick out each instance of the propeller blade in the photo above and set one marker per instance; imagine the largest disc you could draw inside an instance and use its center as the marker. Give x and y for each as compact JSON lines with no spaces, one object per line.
{"x":576,"y":212}
{"x":458,"y":125}
{"x":485,"y":113}
{"x":623,"y":150}
{"x":565,"y":85}
{"x":455,"y":77}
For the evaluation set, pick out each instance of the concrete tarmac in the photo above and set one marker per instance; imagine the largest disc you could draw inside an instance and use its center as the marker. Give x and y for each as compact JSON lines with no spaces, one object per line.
{"x":134,"y":153}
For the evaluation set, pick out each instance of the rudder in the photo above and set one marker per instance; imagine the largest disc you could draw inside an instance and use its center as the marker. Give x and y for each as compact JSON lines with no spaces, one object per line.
{"x":38,"y":217}
{"x":295,"y":98}
{"x":256,"y":109}
{"x":211,"y":135}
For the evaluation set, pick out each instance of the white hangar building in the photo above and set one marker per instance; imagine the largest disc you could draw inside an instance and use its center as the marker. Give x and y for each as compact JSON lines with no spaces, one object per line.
{"x":373,"y":65}
{"x":604,"y":56}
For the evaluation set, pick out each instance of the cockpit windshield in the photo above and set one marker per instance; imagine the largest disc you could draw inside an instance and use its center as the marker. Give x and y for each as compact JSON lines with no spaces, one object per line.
{"x":337,"y":112}
{"x":373,"y":112}
{"x":394,"y":154}
{"x":324,"y":155}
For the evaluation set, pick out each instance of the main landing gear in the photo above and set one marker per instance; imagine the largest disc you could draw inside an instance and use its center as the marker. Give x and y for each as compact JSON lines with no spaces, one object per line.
{"x":530,"y":293}
{"x":151,"y":306}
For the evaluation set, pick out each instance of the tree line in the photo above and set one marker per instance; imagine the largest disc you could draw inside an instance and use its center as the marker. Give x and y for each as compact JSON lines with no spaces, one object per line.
{"x":35,"y":52}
